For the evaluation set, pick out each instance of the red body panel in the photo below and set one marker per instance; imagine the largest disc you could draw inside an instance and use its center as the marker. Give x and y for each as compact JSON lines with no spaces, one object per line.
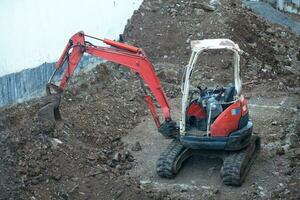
{"x":152,"y":110}
{"x":227,"y":121}
{"x":195,"y":110}
{"x":120,"y":45}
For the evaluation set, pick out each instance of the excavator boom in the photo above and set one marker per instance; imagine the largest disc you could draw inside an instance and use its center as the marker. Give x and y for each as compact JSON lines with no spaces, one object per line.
{"x":129,"y":56}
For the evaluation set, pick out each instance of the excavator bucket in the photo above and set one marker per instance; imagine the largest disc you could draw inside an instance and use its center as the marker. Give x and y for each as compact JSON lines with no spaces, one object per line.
{"x":50,"y":107}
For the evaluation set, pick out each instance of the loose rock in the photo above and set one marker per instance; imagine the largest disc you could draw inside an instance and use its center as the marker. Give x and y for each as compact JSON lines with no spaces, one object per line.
{"x":136,"y":147}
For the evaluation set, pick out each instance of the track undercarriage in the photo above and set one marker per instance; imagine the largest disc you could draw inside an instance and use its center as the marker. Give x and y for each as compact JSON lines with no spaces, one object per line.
{"x":236,"y":164}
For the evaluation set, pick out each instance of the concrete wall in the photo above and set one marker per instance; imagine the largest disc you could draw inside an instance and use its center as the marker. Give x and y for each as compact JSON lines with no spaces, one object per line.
{"x":30,"y":83}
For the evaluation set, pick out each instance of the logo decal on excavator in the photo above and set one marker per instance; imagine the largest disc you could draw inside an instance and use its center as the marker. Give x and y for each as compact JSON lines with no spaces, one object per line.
{"x":235,"y":111}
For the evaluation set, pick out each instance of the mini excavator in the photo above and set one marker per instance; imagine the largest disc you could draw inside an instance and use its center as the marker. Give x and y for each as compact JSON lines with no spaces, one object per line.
{"x":214,"y":121}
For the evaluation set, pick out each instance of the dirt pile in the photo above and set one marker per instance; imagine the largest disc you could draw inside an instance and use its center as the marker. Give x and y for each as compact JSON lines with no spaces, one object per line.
{"x":81,"y":152}
{"x":165,"y":28}
{"x":83,"y":156}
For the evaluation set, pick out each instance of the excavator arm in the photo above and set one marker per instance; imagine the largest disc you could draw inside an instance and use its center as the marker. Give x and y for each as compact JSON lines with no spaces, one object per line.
{"x":123,"y":54}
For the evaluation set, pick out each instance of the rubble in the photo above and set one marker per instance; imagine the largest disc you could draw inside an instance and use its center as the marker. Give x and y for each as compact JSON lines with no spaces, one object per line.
{"x":294,"y":141}
{"x":136,"y":147}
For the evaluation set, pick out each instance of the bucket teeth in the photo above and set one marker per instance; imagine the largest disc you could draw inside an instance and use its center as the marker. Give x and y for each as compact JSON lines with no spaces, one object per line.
{"x":50,"y":108}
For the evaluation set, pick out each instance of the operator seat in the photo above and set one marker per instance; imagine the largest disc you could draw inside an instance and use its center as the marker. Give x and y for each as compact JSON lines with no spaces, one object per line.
{"x":229,"y":94}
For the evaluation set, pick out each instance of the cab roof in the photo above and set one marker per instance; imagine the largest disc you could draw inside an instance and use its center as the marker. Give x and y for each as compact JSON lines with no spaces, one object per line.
{"x":200,"y":45}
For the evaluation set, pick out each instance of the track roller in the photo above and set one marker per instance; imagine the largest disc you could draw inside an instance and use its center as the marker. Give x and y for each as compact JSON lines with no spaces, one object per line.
{"x":237,"y":164}
{"x":170,"y":160}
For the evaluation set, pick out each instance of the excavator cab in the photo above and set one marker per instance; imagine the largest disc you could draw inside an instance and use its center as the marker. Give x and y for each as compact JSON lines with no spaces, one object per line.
{"x":198,"y":108}
{"x":214,"y":114}
{"x":211,"y":102}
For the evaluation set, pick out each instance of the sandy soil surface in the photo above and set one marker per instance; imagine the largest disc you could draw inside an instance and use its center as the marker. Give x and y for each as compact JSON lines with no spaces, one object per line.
{"x":200,"y":176}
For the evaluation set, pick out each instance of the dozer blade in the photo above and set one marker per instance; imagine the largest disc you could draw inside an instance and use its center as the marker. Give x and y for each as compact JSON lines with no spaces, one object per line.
{"x":50,"y":107}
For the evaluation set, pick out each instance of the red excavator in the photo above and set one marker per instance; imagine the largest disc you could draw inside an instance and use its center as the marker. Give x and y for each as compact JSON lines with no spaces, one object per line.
{"x":214,"y":122}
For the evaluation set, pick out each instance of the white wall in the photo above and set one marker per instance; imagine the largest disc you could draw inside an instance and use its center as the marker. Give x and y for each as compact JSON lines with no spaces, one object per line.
{"x":35,"y":31}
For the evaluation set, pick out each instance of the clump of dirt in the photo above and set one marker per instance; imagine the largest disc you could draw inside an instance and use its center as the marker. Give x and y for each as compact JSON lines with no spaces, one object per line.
{"x":83,"y":157}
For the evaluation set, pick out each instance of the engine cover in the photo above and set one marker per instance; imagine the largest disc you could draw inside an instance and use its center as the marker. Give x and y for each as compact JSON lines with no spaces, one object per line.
{"x":227,"y":121}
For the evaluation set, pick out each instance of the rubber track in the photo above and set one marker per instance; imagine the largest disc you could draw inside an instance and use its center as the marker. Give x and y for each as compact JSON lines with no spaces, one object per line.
{"x":237,"y":164}
{"x":168,"y":164}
